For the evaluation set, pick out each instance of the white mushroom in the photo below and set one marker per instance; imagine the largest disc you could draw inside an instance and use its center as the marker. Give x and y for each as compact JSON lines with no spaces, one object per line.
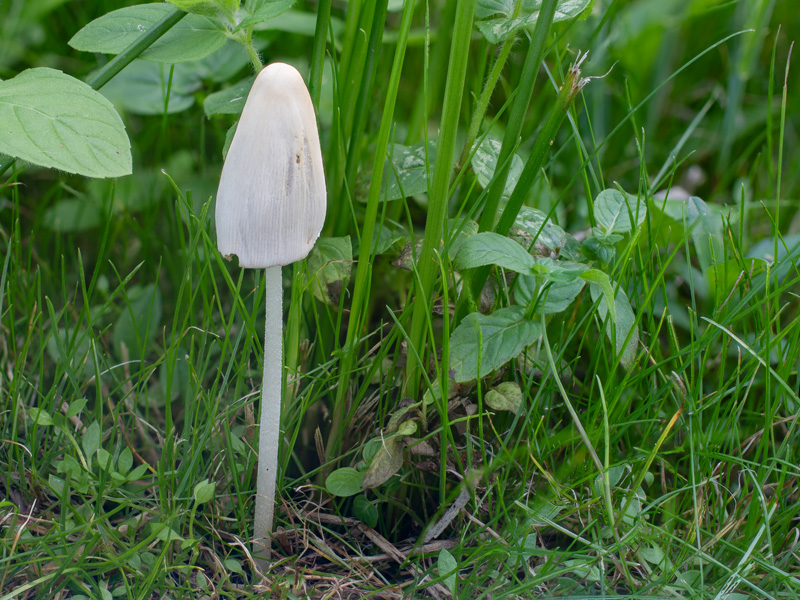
{"x":270,"y":209}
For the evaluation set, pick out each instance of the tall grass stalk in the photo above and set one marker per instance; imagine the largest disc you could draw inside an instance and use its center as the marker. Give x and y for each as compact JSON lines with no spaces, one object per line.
{"x":439,"y":197}
{"x":361,"y":288}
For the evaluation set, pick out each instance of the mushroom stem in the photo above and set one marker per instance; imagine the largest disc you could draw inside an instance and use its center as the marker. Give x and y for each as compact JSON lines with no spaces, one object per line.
{"x":269,"y":426}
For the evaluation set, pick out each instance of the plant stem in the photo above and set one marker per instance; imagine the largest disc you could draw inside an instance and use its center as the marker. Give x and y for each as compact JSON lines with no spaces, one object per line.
{"x":269,"y":423}
{"x":359,"y":115}
{"x":318,"y":51}
{"x":533,"y":59}
{"x":124,"y":58}
{"x":439,"y":195}
{"x":486,"y":94}
{"x":120,"y":61}
{"x":567,"y":93}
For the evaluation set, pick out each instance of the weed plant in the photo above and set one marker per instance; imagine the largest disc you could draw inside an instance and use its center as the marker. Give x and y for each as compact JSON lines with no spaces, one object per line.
{"x":547,"y":345}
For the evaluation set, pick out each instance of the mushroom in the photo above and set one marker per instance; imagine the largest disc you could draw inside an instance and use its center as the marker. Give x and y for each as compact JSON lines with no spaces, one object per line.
{"x":270,"y":210}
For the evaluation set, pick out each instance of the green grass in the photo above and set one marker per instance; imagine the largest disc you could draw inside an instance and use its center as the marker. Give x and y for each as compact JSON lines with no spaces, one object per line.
{"x":651,"y":449}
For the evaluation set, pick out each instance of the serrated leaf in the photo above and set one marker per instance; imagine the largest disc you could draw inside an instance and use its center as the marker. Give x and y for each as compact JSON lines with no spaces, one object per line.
{"x":407,"y":172}
{"x":267,"y":9}
{"x":344,"y":482}
{"x":387,"y":462}
{"x":329,"y":264}
{"x":229,"y":101}
{"x":496,"y":30}
{"x":55,"y":121}
{"x":484,"y":164}
{"x":618,"y":212}
{"x":192,"y":38}
{"x":489,"y":248}
{"x":617,"y":329}
{"x":142,"y":88}
{"x":495,"y":338}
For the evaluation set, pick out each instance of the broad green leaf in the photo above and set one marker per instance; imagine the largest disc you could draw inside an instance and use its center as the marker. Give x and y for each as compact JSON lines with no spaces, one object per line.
{"x":233,"y":565}
{"x":387,"y":462}
{"x":75,"y":407}
{"x":104,"y":459}
{"x":143,"y":87}
{"x":224,"y":64}
{"x":365,"y":510}
{"x":495,"y":338}
{"x":489,"y":248}
{"x":138,"y":322}
{"x":496,"y":30}
{"x":229,"y":101}
{"x":387,"y":240}
{"x":463,"y":230}
{"x":137,"y":473}
{"x":329,"y":265}
{"x":505,"y":396}
{"x":534,"y":231}
{"x":41,"y":417}
{"x":556,"y":296}
{"x":204,"y":491}
{"x":55,"y":121}
{"x":448,"y":570}
{"x":125,"y":461}
{"x":224,"y":9}
{"x":615,"y":475}
{"x":192,"y":38}
{"x":344,"y":482}
{"x":300,"y":23}
{"x":406,"y":174}
{"x":267,"y":9}
{"x":165,"y":533}
{"x":617,"y":329}
{"x":484,"y":164}
{"x":615,"y":210}
{"x":91,"y":440}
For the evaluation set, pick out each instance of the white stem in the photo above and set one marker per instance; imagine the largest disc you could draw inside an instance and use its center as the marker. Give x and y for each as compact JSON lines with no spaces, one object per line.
{"x":270,"y":425}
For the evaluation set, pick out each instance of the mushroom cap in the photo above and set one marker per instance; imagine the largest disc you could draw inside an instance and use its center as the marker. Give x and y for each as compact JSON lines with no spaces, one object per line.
{"x":271,"y":199}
